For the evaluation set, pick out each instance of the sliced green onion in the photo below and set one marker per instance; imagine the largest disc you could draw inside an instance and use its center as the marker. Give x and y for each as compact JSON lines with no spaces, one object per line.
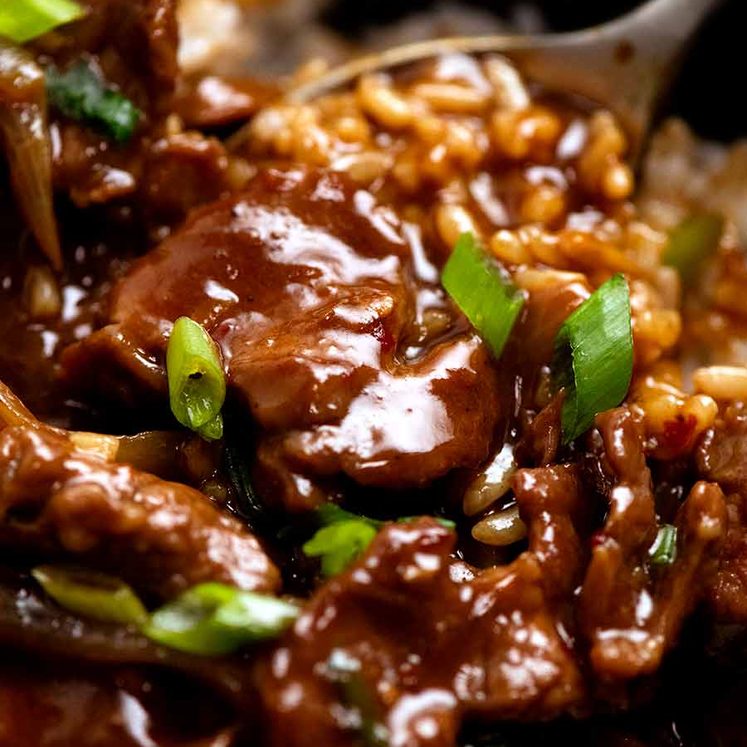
{"x":594,"y":357}
{"x":664,"y":549}
{"x":79,"y":93}
{"x":197,"y":384}
{"x":480,"y":290}
{"x":344,"y":536}
{"x":339,"y":544}
{"x":91,"y":594}
{"x":213,"y":618}
{"x":24,"y":20}
{"x":691,"y":242}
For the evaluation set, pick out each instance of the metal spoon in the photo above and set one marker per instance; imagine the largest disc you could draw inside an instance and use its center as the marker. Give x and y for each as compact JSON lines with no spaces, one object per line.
{"x":625,"y":65}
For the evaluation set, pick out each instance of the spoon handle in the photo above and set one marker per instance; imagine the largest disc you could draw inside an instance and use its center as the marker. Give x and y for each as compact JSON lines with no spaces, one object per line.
{"x":678,"y":19}
{"x":626,"y":64}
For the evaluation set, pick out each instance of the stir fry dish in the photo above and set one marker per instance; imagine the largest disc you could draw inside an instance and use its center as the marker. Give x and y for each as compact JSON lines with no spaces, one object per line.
{"x":412,"y":414}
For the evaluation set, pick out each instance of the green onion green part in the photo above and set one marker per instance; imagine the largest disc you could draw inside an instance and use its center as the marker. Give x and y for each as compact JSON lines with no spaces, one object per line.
{"x":24,"y":20}
{"x":213,"y":619}
{"x":664,"y":549}
{"x":81,"y":94}
{"x":91,"y":594}
{"x":344,"y":536}
{"x":478,"y":287}
{"x":593,"y":359}
{"x":197,"y":384}
{"x":339,"y":544}
{"x":691,"y":242}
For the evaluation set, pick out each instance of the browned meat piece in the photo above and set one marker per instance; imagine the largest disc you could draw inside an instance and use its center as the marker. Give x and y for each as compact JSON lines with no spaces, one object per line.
{"x":630,"y":614}
{"x":722,"y":457}
{"x":722,"y":453}
{"x":396,"y":641}
{"x":216,"y":101}
{"x":306,"y":284}
{"x":134,"y":41}
{"x":161,"y":537}
{"x":166,"y":171}
{"x":552,"y":503}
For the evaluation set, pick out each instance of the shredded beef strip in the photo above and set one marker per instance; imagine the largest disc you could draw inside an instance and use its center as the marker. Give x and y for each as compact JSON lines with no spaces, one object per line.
{"x":630,"y":613}
{"x":307,"y":286}
{"x":722,"y":457}
{"x":162,"y":537}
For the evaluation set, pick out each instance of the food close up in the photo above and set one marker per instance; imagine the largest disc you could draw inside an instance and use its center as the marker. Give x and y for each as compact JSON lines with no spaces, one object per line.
{"x":413,"y":415}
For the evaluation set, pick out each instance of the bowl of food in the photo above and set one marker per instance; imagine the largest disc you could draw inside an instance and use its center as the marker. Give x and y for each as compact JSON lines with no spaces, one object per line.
{"x":409,"y":413}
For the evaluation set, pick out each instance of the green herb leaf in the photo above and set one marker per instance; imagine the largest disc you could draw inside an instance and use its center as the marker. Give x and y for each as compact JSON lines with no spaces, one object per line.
{"x":691,"y":242}
{"x":664,"y":549}
{"x":212,"y":619}
{"x":594,"y":356}
{"x":24,"y":20}
{"x":344,"y":536}
{"x":91,"y":594}
{"x":197,"y":384}
{"x":339,"y":544}
{"x":79,"y":93}
{"x":478,"y":287}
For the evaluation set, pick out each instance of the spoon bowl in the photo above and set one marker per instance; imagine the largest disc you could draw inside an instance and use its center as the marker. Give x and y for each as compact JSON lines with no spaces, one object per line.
{"x":625,"y":65}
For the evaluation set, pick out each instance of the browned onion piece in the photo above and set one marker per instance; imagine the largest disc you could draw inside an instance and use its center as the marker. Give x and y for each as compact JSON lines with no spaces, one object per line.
{"x":151,"y":451}
{"x":23,"y":127}
{"x":13,"y":411}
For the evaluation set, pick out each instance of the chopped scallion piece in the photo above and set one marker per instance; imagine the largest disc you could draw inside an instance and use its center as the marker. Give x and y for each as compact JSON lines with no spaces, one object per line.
{"x":594,"y":356}
{"x":213,"y":618}
{"x":691,"y":242}
{"x":479,"y":289}
{"x":340,"y":543}
{"x":91,"y":594}
{"x":664,"y":549}
{"x":197,"y":384}
{"x":24,"y":20}
{"x":344,"y":536}
{"x":79,"y":93}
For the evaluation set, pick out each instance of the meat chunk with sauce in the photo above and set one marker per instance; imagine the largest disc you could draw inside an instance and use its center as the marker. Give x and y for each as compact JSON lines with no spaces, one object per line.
{"x":56,"y":503}
{"x":409,"y":645}
{"x":308,"y":287}
{"x":397,"y":649}
{"x":722,"y":457}
{"x":630,"y":613}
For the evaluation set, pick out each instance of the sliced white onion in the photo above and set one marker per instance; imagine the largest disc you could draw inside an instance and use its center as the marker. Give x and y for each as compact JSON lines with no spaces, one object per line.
{"x":501,"y":529}
{"x":493,"y":482}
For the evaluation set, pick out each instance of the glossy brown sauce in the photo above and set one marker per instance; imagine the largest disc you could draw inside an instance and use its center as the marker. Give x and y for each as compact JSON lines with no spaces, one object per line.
{"x":352,"y":378}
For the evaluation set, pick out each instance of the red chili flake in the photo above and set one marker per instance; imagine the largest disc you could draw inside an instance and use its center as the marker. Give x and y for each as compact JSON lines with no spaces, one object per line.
{"x":383,"y":335}
{"x":678,"y":433}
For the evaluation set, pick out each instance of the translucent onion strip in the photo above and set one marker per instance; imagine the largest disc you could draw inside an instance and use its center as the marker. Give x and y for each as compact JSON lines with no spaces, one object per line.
{"x":492,"y":483}
{"x":501,"y":529}
{"x":24,"y":133}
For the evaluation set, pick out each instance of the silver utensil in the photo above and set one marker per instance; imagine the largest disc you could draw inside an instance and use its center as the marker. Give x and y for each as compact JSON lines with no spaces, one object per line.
{"x":625,"y":65}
